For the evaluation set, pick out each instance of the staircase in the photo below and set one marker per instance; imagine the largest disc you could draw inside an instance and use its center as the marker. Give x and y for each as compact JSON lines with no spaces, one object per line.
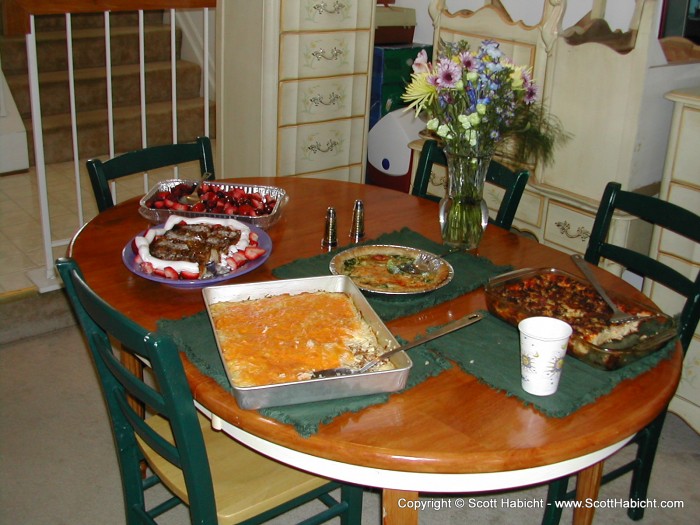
{"x":91,"y":85}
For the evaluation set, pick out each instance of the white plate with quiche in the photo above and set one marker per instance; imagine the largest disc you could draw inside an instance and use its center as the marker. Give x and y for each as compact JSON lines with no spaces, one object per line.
{"x":375,"y":268}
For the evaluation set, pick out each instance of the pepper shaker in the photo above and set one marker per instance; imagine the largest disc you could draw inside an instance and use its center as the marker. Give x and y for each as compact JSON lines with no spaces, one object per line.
{"x":357,"y":229}
{"x":330,"y":236}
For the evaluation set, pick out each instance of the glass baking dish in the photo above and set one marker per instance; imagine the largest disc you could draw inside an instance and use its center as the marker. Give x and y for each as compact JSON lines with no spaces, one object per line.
{"x":555,"y":293}
{"x":160,"y":215}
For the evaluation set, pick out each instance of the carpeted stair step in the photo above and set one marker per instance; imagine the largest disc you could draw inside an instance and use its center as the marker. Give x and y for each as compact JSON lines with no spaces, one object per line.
{"x":88,"y":48}
{"x":85,"y":20}
{"x":91,"y":87}
{"x":93,"y":131}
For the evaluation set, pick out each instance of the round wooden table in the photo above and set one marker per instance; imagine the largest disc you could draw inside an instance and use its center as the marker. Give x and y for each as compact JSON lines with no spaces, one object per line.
{"x":450,"y":433}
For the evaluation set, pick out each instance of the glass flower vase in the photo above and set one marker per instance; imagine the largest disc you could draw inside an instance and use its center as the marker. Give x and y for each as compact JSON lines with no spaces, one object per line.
{"x":463,"y":211}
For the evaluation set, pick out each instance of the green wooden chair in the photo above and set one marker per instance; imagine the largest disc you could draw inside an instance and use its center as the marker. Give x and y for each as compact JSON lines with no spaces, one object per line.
{"x":144,"y":160}
{"x":674,"y":219}
{"x":513,"y":183}
{"x":220,"y":480}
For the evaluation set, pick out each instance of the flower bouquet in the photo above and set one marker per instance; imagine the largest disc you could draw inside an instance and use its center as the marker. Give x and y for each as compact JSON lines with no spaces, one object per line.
{"x":478,"y":103}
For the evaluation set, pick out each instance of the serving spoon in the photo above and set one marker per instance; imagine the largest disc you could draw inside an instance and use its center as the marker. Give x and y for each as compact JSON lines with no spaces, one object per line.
{"x":618,"y":316}
{"x":194,"y":197}
{"x":446,"y":329}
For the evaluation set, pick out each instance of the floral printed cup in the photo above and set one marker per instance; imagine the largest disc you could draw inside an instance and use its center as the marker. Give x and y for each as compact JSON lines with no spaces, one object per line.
{"x":543,"y":342}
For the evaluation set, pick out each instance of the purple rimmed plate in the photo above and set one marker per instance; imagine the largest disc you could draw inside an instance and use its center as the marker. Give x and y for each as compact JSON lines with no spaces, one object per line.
{"x":264,"y":241}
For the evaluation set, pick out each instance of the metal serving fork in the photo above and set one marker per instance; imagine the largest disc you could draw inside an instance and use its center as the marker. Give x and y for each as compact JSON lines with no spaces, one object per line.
{"x":618,"y":315}
{"x":448,"y":328}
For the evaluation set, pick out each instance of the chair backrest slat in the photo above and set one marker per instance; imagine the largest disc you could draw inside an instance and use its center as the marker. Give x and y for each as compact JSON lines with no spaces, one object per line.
{"x":664,"y":214}
{"x":145,"y":160}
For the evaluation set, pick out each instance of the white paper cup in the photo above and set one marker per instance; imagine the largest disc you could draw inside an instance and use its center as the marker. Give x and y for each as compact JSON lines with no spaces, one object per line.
{"x":543,"y":342}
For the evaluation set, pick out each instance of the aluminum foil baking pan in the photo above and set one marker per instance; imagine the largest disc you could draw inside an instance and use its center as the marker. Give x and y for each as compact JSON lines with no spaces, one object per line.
{"x":652,"y":332}
{"x":158,"y":216}
{"x":314,"y":389}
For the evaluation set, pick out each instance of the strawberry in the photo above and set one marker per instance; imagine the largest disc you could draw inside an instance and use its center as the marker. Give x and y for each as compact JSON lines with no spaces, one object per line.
{"x":253,"y":239}
{"x":158,"y":272}
{"x":171,"y":273}
{"x":169,"y":203}
{"x":178,"y":206}
{"x":158,"y":204}
{"x":190,"y":276}
{"x":199,"y":207}
{"x":253,"y":252}
{"x":236,"y":260}
{"x":238,"y":193}
{"x":147,"y":267}
{"x":246,"y":209}
{"x":257,"y":204}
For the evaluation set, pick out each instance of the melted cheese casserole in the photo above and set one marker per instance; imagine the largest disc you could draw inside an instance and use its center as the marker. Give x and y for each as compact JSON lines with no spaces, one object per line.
{"x":282,"y":338}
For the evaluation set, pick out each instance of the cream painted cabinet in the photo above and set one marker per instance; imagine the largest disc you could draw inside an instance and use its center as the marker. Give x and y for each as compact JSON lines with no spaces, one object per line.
{"x":293,"y":87}
{"x":681,"y":185}
{"x":607,"y":88}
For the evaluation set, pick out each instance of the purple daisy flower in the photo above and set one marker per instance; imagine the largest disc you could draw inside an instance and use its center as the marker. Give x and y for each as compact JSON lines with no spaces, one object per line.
{"x":530,"y":93}
{"x":468,"y":61}
{"x":448,"y":73}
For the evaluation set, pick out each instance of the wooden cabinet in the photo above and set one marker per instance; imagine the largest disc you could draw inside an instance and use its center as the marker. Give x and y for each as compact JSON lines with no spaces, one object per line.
{"x":607,"y":88}
{"x":681,"y":185}
{"x":293,"y":87}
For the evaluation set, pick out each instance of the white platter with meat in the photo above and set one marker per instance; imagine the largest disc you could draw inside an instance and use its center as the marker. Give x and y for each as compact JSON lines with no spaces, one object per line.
{"x":195,"y":252}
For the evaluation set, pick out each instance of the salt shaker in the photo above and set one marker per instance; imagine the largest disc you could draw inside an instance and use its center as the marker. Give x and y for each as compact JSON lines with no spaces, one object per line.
{"x":357,"y":229}
{"x":330,"y":235}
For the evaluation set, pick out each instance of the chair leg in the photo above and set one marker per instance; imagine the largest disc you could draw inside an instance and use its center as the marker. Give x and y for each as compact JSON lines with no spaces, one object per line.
{"x":641,"y":475}
{"x":556,"y":491}
{"x":352,"y":495}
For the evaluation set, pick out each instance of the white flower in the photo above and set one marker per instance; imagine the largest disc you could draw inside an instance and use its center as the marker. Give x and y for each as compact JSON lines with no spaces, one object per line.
{"x":444,"y":131}
{"x":421,"y":64}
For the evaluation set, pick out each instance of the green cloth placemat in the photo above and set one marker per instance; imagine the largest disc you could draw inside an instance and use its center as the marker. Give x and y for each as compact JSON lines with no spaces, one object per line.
{"x":490,"y":351}
{"x":470,"y":272}
{"x":194,"y":336}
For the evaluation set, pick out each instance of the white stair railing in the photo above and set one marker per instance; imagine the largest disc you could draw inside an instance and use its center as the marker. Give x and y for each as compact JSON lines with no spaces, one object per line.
{"x":45,"y":278}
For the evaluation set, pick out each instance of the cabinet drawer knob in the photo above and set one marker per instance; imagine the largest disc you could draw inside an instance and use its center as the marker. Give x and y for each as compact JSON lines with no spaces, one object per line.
{"x":565,"y":227}
{"x":322,"y":8}
{"x":318,"y":148}
{"x":317,"y":100}
{"x":320,"y":54}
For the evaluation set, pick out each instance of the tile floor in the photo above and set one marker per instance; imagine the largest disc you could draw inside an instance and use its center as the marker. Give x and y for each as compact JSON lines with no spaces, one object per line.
{"x":21,"y":244}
